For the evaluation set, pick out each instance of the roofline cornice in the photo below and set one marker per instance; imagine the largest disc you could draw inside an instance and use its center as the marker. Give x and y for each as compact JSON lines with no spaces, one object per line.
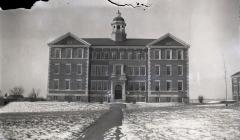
{"x":68,"y":46}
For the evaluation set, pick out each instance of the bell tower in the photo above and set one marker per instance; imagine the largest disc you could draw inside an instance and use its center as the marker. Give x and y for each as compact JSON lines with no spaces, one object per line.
{"x":118,"y":28}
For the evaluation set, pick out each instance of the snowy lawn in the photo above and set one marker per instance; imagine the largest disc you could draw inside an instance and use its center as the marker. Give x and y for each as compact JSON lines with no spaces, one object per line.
{"x":181,"y":123}
{"x":48,"y":120}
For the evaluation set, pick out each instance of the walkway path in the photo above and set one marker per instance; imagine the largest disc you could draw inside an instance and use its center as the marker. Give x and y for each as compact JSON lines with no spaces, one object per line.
{"x":112,"y":118}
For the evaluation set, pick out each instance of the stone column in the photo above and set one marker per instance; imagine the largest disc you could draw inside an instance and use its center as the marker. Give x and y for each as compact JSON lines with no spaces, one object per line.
{"x":112,"y":94}
{"x":122,"y":69}
{"x":124,"y":91}
{"x":149,"y":74}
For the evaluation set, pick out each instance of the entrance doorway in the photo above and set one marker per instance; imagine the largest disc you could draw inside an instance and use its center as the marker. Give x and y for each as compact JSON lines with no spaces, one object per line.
{"x":118,"y":92}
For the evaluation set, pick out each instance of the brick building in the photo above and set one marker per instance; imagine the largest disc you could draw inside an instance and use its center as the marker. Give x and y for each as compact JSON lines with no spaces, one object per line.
{"x":236,"y":86}
{"x":118,"y":68}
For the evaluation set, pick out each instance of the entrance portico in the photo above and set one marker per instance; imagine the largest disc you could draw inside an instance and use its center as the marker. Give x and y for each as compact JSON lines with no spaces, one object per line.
{"x":118,"y":83}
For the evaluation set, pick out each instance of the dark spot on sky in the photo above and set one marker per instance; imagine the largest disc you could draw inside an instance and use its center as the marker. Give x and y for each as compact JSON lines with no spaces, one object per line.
{"x":14,"y":4}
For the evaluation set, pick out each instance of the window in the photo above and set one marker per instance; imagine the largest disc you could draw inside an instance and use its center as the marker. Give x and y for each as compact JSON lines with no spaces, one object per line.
{"x":106,"y":55}
{"x":55,"y":97}
{"x":93,"y":55}
{"x":136,"y":71}
{"x":135,"y":86}
{"x":79,"y":69}
{"x":99,"y":85}
{"x":99,"y":70}
{"x":130,"y":55}
{"x":180,"y":85}
{"x":180,"y":70}
{"x":68,"y":53}
{"x":130,"y":86}
{"x":56,"y":84}
{"x":130,"y":71}
{"x":67,"y":84}
{"x":78,"y":98}
{"x":105,"y":85}
{"x":79,"y":84}
{"x":122,"y":55}
{"x":169,"y":70}
{"x":169,"y":85}
{"x":56,"y":68}
{"x":79,"y":53}
{"x":93,"y":85}
{"x":157,"y":69}
{"x":134,"y":55}
{"x":143,"y":86}
{"x":142,"y":71}
{"x":168,"y":54}
{"x":235,"y":80}
{"x":56,"y":52}
{"x":98,"y":55}
{"x":102,"y":54}
{"x":180,"y":54}
{"x":235,"y":89}
{"x":68,"y":68}
{"x":157,"y":85}
{"x":143,"y":55}
{"x":138,"y":55}
{"x":118,"y":69}
{"x":114,"y":55}
{"x":157,"y":54}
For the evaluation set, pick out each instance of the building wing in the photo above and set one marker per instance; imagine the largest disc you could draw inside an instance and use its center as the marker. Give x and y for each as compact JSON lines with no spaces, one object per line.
{"x":68,"y":39}
{"x":168,"y":40}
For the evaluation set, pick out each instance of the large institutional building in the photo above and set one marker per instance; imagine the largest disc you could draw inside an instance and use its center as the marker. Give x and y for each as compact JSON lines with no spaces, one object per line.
{"x":118,"y":68}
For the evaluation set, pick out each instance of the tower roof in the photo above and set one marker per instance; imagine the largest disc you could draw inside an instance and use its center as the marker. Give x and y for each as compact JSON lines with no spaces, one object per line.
{"x":118,"y":17}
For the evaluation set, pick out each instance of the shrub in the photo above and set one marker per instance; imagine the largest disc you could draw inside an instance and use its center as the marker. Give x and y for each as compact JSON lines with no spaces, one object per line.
{"x":200,"y":99}
{"x":34,"y":94}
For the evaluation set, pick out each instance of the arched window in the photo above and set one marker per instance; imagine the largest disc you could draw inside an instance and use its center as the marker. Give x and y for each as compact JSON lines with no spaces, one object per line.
{"x":118,"y":27}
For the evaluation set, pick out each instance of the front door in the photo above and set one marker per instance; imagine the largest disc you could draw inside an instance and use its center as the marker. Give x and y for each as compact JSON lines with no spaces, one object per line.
{"x":118,"y":92}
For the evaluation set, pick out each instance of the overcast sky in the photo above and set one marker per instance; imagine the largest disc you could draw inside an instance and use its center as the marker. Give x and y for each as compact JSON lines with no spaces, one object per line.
{"x":211,"y":27}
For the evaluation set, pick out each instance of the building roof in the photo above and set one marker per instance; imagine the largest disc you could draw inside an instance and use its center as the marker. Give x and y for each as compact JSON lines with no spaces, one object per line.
{"x":118,"y":18}
{"x":110,"y":42}
{"x":237,"y":74}
{"x":166,"y":40}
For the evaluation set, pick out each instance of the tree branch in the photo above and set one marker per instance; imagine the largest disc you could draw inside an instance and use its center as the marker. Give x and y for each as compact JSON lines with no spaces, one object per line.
{"x":130,"y":5}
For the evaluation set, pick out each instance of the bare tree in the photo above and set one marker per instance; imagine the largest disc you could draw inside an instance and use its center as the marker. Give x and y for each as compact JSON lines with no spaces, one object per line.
{"x":34,"y":93}
{"x":136,"y":5}
{"x":17,"y":91}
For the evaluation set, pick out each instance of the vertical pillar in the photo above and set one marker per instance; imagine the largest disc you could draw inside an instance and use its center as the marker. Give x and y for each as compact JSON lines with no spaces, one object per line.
{"x":149,"y":74}
{"x":87,"y":72}
{"x":124,"y":92}
{"x":112,"y":94}
{"x":114,"y":70}
{"x":122,"y":69}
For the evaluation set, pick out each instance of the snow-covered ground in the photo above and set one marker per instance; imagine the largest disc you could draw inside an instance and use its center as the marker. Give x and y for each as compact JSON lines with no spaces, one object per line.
{"x":181,"y":123}
{"x":51,"y":106}
{"x":142,"y":105}
{"x":47,"y":120}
